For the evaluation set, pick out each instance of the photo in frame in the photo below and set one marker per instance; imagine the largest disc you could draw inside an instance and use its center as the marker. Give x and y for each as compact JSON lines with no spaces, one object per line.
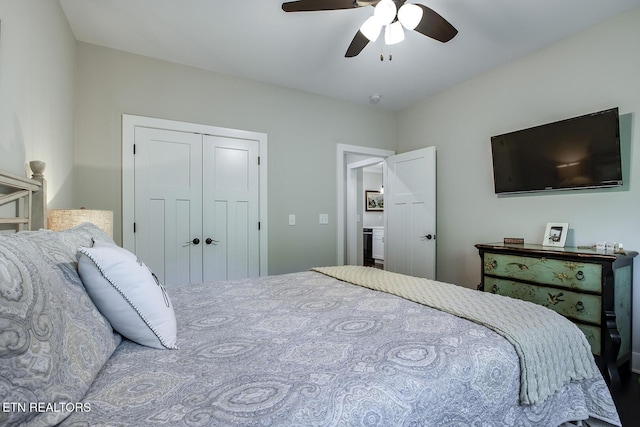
{"x":556,"y":234}
{"x":373,"y":201}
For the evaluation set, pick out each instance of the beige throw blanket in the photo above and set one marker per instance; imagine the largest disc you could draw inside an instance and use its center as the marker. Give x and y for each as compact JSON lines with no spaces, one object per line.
{"x":552,"y":350}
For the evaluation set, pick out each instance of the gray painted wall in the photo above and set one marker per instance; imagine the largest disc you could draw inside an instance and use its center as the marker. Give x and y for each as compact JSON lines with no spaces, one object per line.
{"x":37,"y":71}
{"x":592,"y":71}
{"x":303,"y":130}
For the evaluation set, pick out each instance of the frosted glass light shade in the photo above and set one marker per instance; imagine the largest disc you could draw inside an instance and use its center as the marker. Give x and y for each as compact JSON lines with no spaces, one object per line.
{"x":64,"y":219}
{"x":410,"y":15}
{"x":385,"y":12}
{"x":394,"y":33}
{"x":371,"y":29}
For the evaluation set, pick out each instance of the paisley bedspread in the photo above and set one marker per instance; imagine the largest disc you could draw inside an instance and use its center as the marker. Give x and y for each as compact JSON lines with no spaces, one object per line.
{"x":305,"y":349}
{"x":551,"y":349}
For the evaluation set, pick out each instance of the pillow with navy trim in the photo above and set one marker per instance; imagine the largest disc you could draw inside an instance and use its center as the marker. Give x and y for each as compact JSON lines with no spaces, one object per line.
{"x":128,"y":294}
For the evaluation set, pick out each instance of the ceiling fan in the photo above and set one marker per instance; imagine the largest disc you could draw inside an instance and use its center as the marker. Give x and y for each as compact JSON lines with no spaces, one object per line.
{"x":390,"y":15}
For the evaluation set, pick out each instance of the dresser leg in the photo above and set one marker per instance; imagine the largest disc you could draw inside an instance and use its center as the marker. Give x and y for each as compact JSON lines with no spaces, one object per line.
{"x":612,"y":342}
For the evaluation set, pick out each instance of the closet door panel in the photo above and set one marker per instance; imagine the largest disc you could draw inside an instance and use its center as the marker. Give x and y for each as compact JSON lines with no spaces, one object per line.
{"x":230,"y":207}
{"x":168,"y":203}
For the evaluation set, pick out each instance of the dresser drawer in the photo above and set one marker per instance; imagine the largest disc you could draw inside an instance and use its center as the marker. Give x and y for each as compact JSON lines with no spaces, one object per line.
{"x":570,"y":304}
{"x":567,"y":274}
{"x":593,"y":336}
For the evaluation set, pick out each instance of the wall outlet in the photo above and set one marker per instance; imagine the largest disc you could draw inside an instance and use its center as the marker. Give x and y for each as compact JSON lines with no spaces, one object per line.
{"x":292,"y":219}
{"x":323,"y":218}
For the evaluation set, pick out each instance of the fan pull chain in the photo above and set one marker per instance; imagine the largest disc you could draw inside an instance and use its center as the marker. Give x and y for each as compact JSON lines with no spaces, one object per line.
{"x":382,"y":53}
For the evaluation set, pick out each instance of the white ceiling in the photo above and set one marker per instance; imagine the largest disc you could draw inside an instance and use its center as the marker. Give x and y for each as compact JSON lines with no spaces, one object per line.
{"x":255,"y":39}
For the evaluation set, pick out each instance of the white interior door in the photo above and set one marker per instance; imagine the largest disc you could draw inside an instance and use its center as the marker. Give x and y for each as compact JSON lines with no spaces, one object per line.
{"x":168,"y":203}
{"x":231,"y":234}
{"x":410,"y":213}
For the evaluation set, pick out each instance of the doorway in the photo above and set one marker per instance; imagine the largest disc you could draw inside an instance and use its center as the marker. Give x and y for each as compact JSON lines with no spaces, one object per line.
{"x":351,"y":159}
{"x":372,"y":194}
{"x":409,"y":208}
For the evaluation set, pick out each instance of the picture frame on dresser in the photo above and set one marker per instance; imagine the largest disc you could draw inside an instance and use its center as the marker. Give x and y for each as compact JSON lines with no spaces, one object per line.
{"x":556,"y":234}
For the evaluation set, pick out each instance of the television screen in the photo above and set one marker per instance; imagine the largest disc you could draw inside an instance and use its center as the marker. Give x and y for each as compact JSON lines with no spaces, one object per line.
{"x":582,"y":152}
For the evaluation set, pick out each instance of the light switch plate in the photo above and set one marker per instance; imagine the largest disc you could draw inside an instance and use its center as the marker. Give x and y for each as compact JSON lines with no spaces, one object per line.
{"x":323,"y":219}
{"x":292,"y":219}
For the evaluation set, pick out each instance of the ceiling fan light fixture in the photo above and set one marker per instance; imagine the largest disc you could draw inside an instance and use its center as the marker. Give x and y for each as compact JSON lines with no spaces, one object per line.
{"x":410,"y":15}
{"x":393,"y":33}
{"x":371,"y":28}
{"x":385,"y":12}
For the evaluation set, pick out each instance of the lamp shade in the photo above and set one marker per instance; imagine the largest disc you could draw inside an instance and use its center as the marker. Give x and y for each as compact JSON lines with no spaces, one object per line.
{"x":371,"y":28}
{"x":385,"y":12}
{"x":64,"y":219}
{"x":393,"y":33}
{"x":410,"y":15}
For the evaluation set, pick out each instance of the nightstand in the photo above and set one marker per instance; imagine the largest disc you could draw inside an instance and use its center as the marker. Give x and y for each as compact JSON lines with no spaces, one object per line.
{"x":593,"y":289}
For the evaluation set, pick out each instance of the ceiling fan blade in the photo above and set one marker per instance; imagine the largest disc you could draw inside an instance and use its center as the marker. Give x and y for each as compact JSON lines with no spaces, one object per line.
{"x":313,"y":5}
{"x":435,"y":26}
{"x":357,"y":44}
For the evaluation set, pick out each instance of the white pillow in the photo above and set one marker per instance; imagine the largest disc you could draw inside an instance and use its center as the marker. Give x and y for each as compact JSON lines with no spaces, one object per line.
{"x":128,"y":294}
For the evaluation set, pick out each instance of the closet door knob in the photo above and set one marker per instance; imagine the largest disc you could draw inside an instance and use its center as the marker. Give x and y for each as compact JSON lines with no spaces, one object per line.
{"x":210,"y":241}
{"x":191,"y":242}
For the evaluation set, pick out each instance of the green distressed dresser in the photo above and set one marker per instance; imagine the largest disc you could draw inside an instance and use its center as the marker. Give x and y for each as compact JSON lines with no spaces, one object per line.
{"x":593,"y":289}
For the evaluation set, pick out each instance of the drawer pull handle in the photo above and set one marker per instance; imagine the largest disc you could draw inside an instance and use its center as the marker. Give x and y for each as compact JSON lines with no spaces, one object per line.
{"x":580,"y":275}
{"x":579,"y":306}
{"x":494,"y":289}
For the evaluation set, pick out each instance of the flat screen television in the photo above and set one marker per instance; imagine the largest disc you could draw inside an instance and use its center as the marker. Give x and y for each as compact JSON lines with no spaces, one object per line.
{"x":577,"y":153}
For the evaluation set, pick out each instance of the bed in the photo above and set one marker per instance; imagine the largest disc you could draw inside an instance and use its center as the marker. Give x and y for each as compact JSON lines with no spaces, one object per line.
{"x":315,"y":348}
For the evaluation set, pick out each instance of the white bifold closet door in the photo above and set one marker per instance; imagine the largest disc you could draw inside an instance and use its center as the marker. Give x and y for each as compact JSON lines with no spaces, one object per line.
{"x":196,"y":205}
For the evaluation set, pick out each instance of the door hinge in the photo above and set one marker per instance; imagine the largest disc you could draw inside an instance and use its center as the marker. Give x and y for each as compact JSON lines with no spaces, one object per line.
{"x":258,"y":225}
{"x":258,"y":160}
{"x":134,"y":149}
{"x":134,"y":227}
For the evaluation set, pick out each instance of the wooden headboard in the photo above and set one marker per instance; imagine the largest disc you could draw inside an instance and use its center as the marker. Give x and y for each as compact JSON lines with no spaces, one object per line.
{"x":28,"y":195}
